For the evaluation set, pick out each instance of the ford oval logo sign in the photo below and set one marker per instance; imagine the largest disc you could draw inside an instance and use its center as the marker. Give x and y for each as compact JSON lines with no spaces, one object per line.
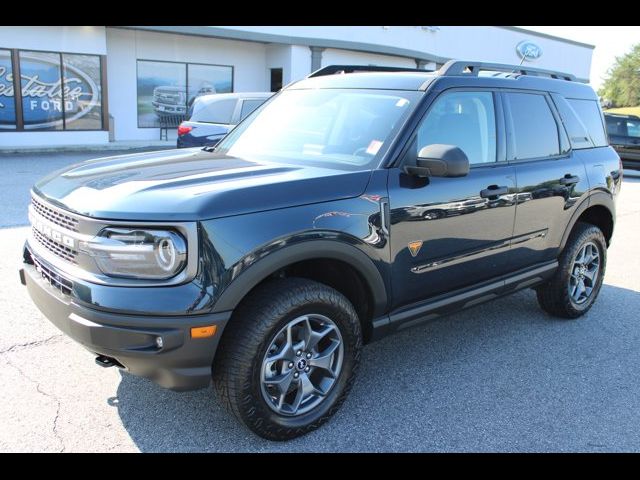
{"x":528,"y":50}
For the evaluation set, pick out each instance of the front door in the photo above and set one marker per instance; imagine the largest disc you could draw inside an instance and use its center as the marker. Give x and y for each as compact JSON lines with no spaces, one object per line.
{"x":451,"y":233}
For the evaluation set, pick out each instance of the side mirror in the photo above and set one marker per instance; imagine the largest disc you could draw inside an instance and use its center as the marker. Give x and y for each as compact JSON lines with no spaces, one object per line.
{"x":439,"y":160}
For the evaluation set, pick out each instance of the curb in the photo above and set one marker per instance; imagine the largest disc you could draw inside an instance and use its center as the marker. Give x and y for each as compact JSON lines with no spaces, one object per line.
{"x":84,"y":148}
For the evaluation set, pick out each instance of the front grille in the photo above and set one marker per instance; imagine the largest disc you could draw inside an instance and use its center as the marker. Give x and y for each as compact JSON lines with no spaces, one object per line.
{"x":56,"y":248}
{"x":65,"y":221}
{"x":55,"y":280}
{"x":168,"y":98}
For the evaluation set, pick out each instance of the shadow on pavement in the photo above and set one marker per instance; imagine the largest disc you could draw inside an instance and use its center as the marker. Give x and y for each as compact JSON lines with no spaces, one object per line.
{"x":502,"y":376}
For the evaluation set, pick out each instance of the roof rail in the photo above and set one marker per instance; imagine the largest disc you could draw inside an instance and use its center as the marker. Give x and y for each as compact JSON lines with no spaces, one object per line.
{"x":333,"y":69}
{"x":461,"y":67}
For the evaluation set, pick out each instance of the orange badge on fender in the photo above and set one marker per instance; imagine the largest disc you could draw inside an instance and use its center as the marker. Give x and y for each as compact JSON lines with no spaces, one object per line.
{"x":414,"y":247}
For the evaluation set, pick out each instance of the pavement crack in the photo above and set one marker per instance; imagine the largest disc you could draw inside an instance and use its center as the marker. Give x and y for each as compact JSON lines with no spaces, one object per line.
{"x":41,"y":392}
{"x":36,"y":343}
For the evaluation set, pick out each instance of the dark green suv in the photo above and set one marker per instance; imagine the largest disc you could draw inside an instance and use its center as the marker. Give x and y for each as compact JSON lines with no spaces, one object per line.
{"x":347,"y":207}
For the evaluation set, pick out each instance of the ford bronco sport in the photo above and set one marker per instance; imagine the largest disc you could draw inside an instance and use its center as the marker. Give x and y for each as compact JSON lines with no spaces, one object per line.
{"x":349,"y":206}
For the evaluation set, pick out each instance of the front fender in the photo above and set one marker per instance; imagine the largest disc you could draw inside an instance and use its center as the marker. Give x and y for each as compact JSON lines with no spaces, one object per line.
{"x":240,"y":251}
{"x":272,"y":261}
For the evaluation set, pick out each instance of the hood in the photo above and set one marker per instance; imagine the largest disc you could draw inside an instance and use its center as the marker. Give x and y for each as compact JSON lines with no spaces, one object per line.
{"x":191,"y":184}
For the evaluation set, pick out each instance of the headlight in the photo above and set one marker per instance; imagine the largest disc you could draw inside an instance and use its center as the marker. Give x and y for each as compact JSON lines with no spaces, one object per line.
{"x":138,"y":253}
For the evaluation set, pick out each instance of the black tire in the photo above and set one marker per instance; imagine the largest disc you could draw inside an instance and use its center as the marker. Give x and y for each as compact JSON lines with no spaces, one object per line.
{"x":254,"y":325}
{"x":554,"y":296}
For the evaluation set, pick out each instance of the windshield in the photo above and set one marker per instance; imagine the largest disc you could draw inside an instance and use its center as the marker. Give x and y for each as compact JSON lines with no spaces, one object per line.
{"x":346,"y":128}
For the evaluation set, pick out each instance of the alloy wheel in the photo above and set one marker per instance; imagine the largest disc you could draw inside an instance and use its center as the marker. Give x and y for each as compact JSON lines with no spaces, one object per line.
{"x":584,"y":273}
{"x":302,"y":364}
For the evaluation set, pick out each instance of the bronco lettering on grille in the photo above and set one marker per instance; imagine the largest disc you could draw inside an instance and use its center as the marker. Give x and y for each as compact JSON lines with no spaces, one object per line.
{"x":51,"y":233}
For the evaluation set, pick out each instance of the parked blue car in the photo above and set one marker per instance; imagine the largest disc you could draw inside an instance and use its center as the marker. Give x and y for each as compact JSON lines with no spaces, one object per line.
{"x":211,"y":117}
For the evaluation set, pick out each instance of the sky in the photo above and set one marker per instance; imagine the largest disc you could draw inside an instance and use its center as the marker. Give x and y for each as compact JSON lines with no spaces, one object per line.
{"x":610,"y":42}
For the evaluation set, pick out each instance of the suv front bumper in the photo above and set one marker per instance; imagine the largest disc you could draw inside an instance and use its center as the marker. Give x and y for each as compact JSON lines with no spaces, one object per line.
{"x":183,"y":363}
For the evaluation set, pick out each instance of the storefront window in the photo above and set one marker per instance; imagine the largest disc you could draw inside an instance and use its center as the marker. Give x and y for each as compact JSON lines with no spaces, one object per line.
{"x":167,"y":89}
{"x":7,"y":103}
{"x":41,"y":90}
{"x":161,"y":91}
{"x":82,"y":92}
{"x":206,"y":79}
{"x":49,"y":103}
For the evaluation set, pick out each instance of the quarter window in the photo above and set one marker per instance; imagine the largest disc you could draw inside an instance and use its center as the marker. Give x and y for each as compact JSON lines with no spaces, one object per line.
{"x":464,"y":119}
{"x":589,"y":113}
{"x":577,"y":131}
{"x":249,"y":106}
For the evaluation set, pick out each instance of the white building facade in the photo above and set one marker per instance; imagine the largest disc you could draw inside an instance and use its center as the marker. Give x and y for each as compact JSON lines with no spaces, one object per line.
{"x":94,"y":84}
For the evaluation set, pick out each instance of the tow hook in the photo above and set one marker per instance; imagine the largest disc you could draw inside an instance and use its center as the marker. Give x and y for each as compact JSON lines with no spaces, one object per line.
{"x":107,"y":362}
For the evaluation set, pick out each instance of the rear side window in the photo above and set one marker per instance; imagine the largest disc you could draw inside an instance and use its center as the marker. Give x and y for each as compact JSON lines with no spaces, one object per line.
{"x":589,"y":113}
{"x":249,"y":106}
{"x":216,"y":111}
{"x":535,"y":132}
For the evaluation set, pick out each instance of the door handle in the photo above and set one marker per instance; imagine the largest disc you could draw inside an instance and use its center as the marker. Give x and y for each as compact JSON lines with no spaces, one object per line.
{"x":384,"y":216}
{"x":494,"y":191}
{"x":569,"y":179}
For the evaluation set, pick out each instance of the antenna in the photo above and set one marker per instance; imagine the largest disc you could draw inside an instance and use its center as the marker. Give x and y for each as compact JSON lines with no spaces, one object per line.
{"x":519,"y":65}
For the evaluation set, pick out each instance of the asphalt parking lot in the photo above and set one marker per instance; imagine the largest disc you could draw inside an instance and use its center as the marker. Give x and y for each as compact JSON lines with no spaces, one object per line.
{"x":499,"y":377}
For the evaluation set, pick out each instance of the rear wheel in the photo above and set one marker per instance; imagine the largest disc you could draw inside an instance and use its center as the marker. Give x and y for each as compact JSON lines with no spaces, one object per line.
{"x":577,"y":282}
{"x":288,"y":357}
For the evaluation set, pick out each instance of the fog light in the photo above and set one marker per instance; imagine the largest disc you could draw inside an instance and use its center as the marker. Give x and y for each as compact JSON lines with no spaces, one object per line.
{"x":159,"y":342}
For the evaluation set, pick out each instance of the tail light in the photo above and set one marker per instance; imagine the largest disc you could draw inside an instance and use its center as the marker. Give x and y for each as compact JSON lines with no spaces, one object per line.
{"x":183,"y":130}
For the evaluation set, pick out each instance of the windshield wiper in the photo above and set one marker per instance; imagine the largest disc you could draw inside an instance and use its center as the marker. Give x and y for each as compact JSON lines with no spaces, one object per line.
{"x":209,"y":148}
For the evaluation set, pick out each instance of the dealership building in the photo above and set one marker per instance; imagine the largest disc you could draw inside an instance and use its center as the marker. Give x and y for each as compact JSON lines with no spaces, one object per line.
{"x":84,"y":85}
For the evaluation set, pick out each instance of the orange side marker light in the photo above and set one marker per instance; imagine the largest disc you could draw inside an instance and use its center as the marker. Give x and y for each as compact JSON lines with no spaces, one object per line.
{"x":203,"y":332}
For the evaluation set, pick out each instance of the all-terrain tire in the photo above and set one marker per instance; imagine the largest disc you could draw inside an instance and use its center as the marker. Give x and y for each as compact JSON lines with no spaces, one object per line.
{"x":254,"y":325}
{"x":554,"y":296}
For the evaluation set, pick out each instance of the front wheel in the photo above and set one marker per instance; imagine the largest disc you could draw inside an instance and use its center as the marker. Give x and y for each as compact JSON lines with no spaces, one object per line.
{"x":288,"y":357}
{"x":575,"y":286}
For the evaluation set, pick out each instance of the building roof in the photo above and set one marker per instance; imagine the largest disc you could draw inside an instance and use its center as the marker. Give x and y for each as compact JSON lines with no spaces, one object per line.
{"x":240,"y":33}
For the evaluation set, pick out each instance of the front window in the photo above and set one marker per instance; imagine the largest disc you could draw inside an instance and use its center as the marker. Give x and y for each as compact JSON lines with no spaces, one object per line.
{"x":345,"y":128}
{"x":464,"y":119}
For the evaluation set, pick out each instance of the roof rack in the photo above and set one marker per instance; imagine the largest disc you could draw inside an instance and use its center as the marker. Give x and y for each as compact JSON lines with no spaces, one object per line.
{"x":333,"y":69}
{"x":461,"y":67}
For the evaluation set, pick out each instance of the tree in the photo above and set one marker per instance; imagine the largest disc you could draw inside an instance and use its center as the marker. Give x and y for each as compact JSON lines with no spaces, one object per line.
{"x":622,"y":85}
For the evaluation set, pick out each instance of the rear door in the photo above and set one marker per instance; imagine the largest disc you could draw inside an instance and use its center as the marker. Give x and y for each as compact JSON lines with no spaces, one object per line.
{"x":551,"y":179}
